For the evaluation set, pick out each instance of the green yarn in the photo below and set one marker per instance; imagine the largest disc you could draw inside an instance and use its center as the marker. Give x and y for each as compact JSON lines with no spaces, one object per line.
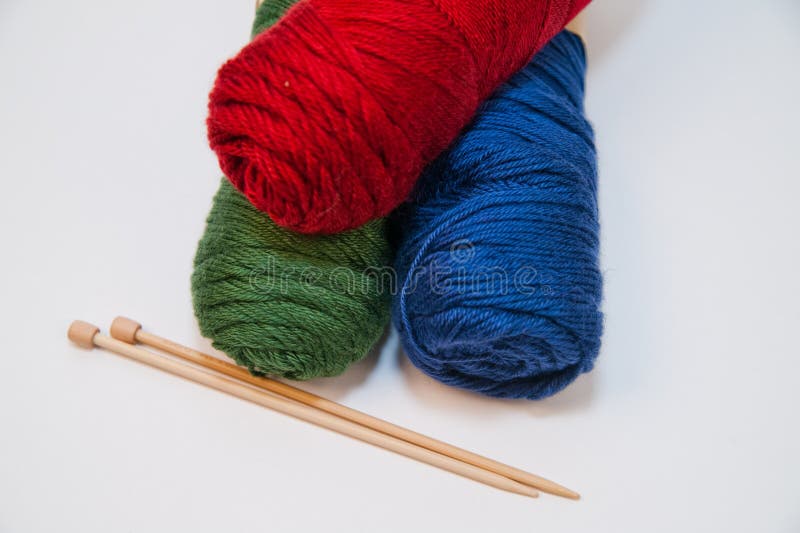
{"x":282,"y":303}
{"x":268,"y":14}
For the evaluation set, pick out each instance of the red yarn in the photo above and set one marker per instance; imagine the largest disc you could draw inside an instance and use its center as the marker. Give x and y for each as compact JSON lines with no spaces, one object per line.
{"x":326,"y":120}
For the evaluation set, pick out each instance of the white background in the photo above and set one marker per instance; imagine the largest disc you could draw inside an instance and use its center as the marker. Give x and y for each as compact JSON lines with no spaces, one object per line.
{"x":688,"y":423}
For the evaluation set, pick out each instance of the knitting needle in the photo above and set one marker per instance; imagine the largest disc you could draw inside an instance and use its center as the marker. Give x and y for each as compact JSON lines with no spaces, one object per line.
{"x":130,"y":331}
{"x":88,"y":336}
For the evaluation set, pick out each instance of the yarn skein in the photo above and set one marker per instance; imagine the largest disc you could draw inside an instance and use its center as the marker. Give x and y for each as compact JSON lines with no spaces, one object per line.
{"x":326,"y":120}
{"x":282,"y":303}
{"x":498,"y":251}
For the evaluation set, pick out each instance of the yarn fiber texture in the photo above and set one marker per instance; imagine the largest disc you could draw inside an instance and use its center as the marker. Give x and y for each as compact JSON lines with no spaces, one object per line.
{"x":326,"y":120}
{"x":514,"y":199}
{"x":282,"y":303}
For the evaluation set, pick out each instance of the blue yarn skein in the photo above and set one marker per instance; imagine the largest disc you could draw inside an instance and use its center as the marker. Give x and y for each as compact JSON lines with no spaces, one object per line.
{"x":499,"y":283}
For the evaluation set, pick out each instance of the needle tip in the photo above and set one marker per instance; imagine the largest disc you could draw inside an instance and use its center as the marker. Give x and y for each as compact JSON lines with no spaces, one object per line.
{"x":557,"y":490}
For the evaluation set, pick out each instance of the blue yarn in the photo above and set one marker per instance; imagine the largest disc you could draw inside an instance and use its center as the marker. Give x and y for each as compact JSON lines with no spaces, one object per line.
{"x":514,"y":198}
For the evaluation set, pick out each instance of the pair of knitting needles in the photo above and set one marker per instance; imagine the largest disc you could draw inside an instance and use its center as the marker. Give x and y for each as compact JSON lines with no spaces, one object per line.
{"x":236,"y":381}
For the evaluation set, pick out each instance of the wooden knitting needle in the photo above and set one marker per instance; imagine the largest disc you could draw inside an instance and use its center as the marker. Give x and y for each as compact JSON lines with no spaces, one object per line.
{"x":88,"y":336}
{"x":127,"y":330}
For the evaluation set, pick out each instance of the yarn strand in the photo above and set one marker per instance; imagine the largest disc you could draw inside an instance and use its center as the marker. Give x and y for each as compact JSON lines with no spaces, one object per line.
{"x":326,"y":120}
{"x":513,"y":199}
{"x":286,"y":304}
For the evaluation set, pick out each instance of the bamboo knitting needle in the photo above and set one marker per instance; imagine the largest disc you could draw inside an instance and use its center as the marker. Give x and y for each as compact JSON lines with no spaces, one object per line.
{"x":88,"y":336}
{"x":127,"y":330}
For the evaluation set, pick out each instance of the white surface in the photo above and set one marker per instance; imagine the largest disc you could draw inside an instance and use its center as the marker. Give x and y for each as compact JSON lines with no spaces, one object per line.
{"x":689,"y":422}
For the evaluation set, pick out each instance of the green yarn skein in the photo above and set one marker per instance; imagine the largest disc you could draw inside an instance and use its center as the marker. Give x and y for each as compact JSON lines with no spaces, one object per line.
{"x":282,"y":303}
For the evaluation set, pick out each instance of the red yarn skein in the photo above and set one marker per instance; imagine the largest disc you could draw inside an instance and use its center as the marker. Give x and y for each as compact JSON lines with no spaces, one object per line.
{"x":326,"y":120}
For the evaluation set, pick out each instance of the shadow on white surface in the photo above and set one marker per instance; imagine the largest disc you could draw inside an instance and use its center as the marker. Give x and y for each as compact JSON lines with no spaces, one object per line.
{"x":438,"y":396}
{"x":338,"y":387}
{"x":429,"y":392}
{"x":607,"y":22}
{"x":335,"y":388}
